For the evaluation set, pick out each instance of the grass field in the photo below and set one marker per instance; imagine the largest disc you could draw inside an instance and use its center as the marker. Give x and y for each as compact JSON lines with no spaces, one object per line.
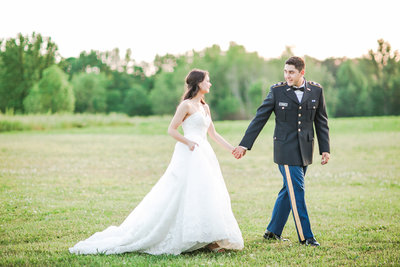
{"x":60,"y":186}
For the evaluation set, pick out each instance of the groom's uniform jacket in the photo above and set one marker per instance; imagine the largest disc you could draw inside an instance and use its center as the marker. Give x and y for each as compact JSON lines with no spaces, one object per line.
{"x":294,"y":123}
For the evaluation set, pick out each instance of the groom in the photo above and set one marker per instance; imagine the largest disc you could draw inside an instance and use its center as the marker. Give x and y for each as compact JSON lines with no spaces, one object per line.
{"x":298,"y":106}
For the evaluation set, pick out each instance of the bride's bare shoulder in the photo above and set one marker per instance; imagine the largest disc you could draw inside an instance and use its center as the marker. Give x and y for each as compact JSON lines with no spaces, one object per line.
{"x":184,"y":107}
{"x":184,"y":104}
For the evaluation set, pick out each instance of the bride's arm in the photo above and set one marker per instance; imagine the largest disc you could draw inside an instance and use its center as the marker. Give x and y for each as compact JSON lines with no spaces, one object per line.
{"x":216,"y":136}
{"x":180,"y":114}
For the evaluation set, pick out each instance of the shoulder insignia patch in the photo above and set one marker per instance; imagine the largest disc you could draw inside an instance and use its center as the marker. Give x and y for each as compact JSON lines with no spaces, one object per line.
{"x":279,"y":84}
{"x":315,"y":84}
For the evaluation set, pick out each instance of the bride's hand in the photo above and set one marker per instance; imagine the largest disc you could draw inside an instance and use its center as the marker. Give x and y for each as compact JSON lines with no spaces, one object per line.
{"x":192,"y":145}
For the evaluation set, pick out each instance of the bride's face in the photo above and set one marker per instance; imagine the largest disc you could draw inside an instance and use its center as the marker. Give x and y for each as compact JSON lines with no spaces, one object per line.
{"x":205,"y":85}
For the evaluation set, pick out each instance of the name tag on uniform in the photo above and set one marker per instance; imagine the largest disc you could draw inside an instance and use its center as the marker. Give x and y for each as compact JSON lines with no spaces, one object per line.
{"x":283,"y":104}
{"x":313,"y":100}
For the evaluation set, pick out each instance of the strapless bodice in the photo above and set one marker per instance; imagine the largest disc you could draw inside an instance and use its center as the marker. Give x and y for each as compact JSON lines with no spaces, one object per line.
{"x":196,"y":124}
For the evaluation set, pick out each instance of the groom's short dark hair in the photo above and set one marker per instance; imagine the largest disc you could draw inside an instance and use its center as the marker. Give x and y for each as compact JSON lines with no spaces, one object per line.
{"x":298,"y":63}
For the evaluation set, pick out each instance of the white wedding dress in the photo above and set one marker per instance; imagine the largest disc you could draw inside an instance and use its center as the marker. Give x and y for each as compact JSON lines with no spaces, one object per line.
{"x":188,"y":208}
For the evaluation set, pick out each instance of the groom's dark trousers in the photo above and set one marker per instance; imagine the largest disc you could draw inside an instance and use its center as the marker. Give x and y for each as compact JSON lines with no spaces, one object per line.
{"x":293,"y":147}
{"x":291,"y":197}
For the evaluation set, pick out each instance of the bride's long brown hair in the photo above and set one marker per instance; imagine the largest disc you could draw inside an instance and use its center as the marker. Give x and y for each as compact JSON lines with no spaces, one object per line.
{"x":193,"y":79}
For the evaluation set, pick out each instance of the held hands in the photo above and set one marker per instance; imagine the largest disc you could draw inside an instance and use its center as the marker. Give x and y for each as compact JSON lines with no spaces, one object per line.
{"x":238,"y":152}
{"x":325,"y":158}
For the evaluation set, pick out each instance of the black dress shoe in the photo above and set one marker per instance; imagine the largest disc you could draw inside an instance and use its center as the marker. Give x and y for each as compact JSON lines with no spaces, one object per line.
{"x":271,"y":236}
{"x":310,"y":242}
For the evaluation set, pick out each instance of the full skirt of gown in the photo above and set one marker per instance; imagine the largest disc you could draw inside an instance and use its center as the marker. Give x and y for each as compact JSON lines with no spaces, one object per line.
{"x":188,"y":208}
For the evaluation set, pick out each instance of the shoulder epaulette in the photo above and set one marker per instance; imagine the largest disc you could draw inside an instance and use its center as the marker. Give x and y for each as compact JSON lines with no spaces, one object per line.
{"x":315,"y":84}
{"x":279,"y":84}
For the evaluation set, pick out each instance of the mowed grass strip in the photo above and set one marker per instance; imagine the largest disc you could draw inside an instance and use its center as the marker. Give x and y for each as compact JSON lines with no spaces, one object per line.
{"x":60,"y":186}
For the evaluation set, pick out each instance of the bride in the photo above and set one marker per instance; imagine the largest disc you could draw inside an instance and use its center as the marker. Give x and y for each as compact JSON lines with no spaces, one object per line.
{"x":189,"y":207}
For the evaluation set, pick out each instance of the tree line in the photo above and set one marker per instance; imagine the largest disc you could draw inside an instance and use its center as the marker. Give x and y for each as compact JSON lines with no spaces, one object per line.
{"x":35,"y":78}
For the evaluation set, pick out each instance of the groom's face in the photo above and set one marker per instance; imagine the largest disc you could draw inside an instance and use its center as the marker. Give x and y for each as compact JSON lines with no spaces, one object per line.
{"x":293,"y":76}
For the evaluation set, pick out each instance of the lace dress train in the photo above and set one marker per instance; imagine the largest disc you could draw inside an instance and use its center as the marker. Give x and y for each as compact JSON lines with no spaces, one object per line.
{"x":188,"y":208}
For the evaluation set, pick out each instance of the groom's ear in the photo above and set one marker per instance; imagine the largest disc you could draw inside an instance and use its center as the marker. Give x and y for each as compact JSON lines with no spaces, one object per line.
{"x":302,"y":72}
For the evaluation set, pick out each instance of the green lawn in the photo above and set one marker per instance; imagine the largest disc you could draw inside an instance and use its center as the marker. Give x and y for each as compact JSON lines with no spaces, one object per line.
{"x":60,"y":186}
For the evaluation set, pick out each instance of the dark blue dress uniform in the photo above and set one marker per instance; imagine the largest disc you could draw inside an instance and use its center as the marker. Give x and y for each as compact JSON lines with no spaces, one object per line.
{"x":293,"y":147}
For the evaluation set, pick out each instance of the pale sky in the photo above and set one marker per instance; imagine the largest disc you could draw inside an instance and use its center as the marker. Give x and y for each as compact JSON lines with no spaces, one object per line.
{"x":316,"y":28}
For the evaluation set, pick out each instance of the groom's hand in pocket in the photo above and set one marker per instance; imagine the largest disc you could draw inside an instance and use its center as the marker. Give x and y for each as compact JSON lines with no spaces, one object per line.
{"x":239,"y":152}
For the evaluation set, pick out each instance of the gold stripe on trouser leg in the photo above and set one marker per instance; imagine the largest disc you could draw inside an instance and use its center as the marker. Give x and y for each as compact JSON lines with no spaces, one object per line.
{"x":293,"y":200}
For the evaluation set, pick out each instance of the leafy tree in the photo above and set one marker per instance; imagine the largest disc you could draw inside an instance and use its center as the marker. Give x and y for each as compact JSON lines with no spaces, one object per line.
{"x":114,"y":100}
{"x":106,"y":82}
{"x":243,"y":69}
{"x":228,"y":107}
{"x":232,"y":73}
{"x":332,"y":65}
{"x":256,"y":95}
{"x":386,"y":71}
{"x":137,"y":102}
{"x":33,"y":103}
{"x":165,"y":63}
{"x":166,"y":94}
{"x":352,"y":90}
{"x":90,"y":92}
{"x":22,"y":61}
{"x":52,"y":93}
{"x":87,"y":62}
{"x":118,"y":82}
{"x":121,"y":74}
